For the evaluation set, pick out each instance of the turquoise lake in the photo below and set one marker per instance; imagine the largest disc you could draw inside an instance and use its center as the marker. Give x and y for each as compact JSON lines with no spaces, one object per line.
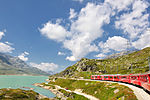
{"x":12,"y":81}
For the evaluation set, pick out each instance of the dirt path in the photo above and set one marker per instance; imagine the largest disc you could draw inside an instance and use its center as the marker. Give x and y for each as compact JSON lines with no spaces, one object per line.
{"x":79,"y":93}
{"x":86,"y":95}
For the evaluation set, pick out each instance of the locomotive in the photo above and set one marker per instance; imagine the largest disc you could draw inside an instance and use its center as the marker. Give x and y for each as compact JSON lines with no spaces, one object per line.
{"x":142,"y":80}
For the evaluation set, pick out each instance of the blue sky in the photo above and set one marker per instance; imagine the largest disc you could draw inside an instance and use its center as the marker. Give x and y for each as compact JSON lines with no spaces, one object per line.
{"x":54,"y":34}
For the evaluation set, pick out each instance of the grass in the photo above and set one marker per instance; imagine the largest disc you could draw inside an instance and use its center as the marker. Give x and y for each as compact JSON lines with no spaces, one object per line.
{"x":101,"y":90}
{"x":19,"y":94}
{"x":72,"y":96}
{"x":52,"y":86}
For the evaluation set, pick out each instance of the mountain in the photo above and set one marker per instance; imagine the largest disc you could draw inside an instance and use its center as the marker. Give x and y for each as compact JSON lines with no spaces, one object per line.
{"x":135,"y":62}
{"x":120,"y":54}
{"x":10,"y":65}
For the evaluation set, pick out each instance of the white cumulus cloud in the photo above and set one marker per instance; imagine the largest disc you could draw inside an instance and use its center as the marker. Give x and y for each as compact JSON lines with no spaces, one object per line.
{"x":71,"y":58}
{"x":61,"y":53}
{"x":134,"y":22}
{"x":5,"y":47}
{"x":47,"y":67}
{"x":143,"y":41}
{"x":119,"y":5}
{"x":8,"y":43}
{"x":54,"y":31}
{"x":84,"y":30}
{"x":79,"y":0}
{"x":116,"y":43}
{"x":1,"y":35}
{"x":101,"y":55}
{"x":73,"y":14}
{"x":23,"y":56}
{"x":87,"y":26}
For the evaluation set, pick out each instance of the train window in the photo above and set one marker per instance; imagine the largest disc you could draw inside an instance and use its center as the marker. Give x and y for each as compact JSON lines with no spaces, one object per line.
{"x":96,"y":76}
{"x":100,"y":77}
{"x":92,"y":76}
{"x":110,"y":76}
{"x":133,"y":77}
{"x":144,"y":78}
{"x":105,"y":76}
{"x":149,"y":78}
{"x":115,"y":77}
{"x":141,"y":78}
{"x":137,"y":77}
{"x":118,"y":77}
{"x":124,"y":77}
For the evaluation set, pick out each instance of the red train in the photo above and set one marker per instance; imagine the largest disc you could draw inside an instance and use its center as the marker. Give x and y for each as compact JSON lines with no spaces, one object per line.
{"x":142,"y":80}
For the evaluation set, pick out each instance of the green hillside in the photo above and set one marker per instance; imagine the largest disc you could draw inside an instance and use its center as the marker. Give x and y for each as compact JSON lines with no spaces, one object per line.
{"x":136,"y":62}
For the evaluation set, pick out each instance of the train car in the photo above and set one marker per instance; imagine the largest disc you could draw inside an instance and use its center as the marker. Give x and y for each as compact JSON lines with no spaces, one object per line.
{"x":92,"y":77}
{"x":116,"y":77}
{"x":105,"y":77}
{"x":125,"y":78}
{"x":108,"y":77}
{"x":135,"y":79}
{"x":142,"y":80}
{"x":95,"y":77}
{"x":145,"y":81}
{"x":111,"y":77}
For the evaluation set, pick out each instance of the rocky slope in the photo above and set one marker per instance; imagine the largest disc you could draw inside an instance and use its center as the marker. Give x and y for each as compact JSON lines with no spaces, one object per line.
{"x":10,"y":65}
{"x":135,"y":62}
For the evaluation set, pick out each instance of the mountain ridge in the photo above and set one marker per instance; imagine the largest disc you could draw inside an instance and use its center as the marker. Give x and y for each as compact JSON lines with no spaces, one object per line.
{"x":10,"y":65}
{"x":119,"y":54}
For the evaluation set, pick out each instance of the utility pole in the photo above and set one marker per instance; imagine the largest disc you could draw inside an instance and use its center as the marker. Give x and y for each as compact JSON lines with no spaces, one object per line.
{"x":117,"y":69}
{"x":128,"y":46}
{"x":131,"y":68}
{"x":149,"y":63}
{"x":105,"y":68}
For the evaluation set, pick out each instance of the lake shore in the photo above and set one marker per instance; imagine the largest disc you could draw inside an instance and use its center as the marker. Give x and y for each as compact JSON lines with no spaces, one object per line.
{"x":18,"y":94}
{"x":54,"y":91}
{"x":25,"y":83}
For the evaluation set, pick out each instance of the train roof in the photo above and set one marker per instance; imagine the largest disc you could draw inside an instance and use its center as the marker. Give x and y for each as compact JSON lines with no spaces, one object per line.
{"x":107,"y":75}
{"x":124,"y":74}
{"x":141,"y":73}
